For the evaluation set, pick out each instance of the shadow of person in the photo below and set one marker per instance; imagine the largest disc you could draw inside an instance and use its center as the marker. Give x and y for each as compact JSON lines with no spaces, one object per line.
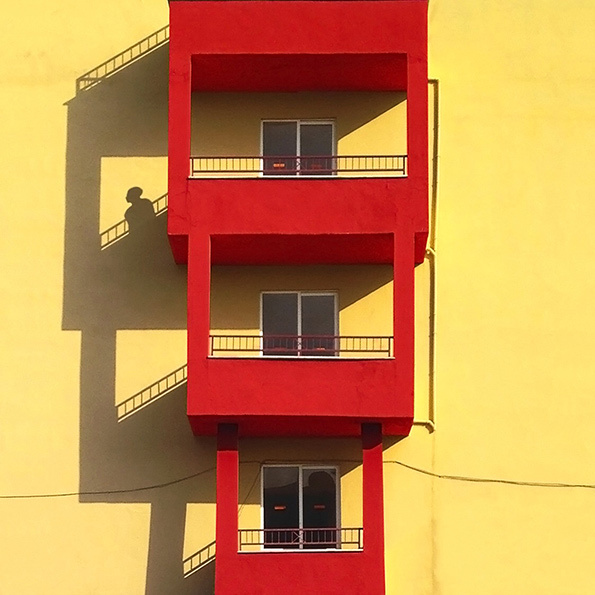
{"x":140,"y":212}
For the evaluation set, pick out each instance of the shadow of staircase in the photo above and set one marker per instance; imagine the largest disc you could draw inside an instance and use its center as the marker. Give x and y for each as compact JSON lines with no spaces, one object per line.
{"x":199,"y":559}
{"x":119,"y":230}
{"x":121,"y":60}
{"x":152,"y":393}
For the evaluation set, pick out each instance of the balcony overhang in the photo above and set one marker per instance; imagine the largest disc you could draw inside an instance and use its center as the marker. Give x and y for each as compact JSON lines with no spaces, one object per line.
{"x":275,"y":249}
{"x":299,"y":72}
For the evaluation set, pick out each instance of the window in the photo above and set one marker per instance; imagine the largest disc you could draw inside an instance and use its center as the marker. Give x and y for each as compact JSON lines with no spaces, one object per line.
{"x":299,"y":323}
{"x":300,"y":506}
{"x":298,"y":147}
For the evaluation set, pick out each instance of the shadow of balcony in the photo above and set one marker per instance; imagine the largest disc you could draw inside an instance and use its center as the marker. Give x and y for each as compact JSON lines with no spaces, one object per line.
{"x":122,"y":59}
{"x":152,"y":393}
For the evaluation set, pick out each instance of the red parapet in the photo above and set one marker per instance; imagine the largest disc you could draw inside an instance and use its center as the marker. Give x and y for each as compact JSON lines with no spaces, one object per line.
{"x":320,"y":396}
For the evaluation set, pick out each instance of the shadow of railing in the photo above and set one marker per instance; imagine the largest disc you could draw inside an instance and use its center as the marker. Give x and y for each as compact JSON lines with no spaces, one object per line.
{"x":152,"y":392}
{"x":119,"y":61}
{"x":119,"y":230}
{"x":199,"y":560}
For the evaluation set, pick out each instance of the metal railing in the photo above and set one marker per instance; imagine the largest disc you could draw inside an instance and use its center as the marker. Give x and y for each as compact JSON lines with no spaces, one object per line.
{"x":120,"y":229}
{"x":299,"y":345}
{"x":325,"y":165}
{"x":115,"y":63}
{"x":325,"y":538}
{"x":199,"y":559}
{"x":152,"y":392}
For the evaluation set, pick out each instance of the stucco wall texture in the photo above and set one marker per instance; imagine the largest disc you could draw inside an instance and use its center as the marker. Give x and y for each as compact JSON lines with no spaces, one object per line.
{"x":511,"y":299}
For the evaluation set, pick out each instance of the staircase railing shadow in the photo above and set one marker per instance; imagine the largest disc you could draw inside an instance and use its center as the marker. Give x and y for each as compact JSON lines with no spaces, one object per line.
{"x":119,"y":230}
{"x":152,"y":392}
{"x":199,"y":559}
{"x":119,"y":61}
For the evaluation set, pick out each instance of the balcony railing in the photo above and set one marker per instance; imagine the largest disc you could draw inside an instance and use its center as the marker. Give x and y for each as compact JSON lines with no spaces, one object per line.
{"x":299,"y":345}
{"x":292,"y":539}
{"x":326,"y":165}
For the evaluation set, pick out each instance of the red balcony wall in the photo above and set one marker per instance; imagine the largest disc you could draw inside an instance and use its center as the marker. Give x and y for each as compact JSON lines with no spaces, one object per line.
{"x":298,"y":27}
{"x":356,"y":573}
{"x":268,"y":396}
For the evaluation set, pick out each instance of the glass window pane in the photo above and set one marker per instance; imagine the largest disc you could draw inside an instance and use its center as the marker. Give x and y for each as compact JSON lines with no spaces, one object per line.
{"x":316,"y":148}
{"x":281,"y":506}
{"x":320,"y":507}
{"x":280,"y":323}
{"x":279,"y":142}
{"x":318,"y":324}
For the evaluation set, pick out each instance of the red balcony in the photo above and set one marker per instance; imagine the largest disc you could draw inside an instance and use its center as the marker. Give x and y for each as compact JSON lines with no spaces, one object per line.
{"x":335,"y":47}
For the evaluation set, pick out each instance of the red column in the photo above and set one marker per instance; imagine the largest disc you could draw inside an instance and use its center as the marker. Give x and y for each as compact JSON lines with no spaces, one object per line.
{"x":373,"y":505}
{"x":404,"y":316}
{"x":227,"y":502}
{"x":179,"y":130}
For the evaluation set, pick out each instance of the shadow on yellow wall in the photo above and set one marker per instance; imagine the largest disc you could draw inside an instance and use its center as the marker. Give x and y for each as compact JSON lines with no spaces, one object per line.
{"x":133,"y":285}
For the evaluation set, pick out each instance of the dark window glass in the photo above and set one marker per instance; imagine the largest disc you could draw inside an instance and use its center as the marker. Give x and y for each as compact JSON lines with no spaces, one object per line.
{"x":280,"y":323}
{"x":283,"y":503}
{"x":281,"y":507}
{"x":279,"y":147}
{"x":319,"y":501}
{"x":316,"y":148}
{"x":318,"y":324}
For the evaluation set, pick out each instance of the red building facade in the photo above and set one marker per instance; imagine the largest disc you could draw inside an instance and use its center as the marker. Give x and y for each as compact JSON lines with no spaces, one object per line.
{"x":309,"y":216}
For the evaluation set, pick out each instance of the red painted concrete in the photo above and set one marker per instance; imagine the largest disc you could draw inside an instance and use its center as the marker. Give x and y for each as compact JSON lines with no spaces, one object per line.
{"x":338,"y":391}
{"x":294,"y":206}
{"x":373,"y":500}
{"x":227,"y":498}
{"x":299,"y":72}
{"x":284,"y":249}
{"x":299,"y":27}
{"x":300,"y":425}
{"x":324,"y":573}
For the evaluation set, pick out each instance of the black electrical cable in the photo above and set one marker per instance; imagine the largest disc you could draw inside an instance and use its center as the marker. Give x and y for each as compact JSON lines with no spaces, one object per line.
{"x":463,"y":478}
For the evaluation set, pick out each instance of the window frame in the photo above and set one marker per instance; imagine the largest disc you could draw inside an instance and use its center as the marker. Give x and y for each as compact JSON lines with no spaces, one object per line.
{"x":301,"y":467}
{"x":299,"y":293}
{"x":299,"y":122}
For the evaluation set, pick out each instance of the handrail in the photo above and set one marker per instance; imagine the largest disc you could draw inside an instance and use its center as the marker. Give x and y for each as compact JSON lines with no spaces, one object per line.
{"x":199,"y":559}
{"x":152,"y":392}
{"x":122,"y":59}
{"x":119,"y":230}
{"x":301,"y":345}
{"x":292,"y":165}
{"x":300,"y":538}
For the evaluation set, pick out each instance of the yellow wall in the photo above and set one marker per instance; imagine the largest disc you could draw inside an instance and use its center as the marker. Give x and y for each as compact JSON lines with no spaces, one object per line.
{"x":514,"y":336}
